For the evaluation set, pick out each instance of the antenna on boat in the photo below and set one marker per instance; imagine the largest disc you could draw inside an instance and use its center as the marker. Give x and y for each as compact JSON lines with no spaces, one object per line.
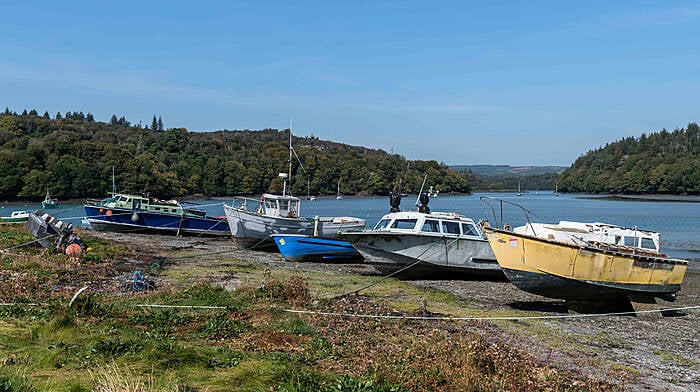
{"x":114,"y":185}
{"x":421,"y":190}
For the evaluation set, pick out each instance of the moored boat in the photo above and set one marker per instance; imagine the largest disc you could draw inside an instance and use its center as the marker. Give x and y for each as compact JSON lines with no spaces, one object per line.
{"x":280,"y":214}
{"x":139,"y":214}
{"x":16,"y":217}
{"x":49,"y":202}
{"x":423,"y":244}
{"x":301,"y":248}
{"x":594,"y":262}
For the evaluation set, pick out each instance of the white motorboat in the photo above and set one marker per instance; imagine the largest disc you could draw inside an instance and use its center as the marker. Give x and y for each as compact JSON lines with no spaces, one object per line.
{"x":424,"y":244}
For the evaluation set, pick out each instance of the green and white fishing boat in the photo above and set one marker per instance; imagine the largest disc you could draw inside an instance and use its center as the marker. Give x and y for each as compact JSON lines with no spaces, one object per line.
{"x":15,"y":217}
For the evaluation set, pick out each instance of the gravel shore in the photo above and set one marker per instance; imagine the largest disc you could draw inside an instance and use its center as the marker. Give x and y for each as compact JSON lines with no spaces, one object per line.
{"x":657,"y":351}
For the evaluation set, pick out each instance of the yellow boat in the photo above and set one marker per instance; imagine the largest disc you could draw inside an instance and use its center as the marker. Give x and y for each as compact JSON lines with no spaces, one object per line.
{"x":583,"y":268}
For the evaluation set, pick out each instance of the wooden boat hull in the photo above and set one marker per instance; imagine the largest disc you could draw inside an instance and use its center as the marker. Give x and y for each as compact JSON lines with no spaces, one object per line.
{"x":583,"y":273}
{"x":304,"y":248}
{"x":250,"y":229}
{"x":129,"y":221}
{"x":429,"y":256}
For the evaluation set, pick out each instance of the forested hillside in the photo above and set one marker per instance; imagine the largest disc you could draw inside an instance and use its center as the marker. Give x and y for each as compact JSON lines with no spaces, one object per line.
{"x":662,"y":162}
{"x":73,"y":155}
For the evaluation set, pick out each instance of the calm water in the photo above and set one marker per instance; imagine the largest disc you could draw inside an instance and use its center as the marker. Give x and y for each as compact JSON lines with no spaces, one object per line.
{"x":676,"y":221}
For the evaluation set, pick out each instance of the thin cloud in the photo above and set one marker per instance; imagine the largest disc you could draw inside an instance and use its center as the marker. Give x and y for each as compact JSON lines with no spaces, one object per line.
{"x":337,"y":79}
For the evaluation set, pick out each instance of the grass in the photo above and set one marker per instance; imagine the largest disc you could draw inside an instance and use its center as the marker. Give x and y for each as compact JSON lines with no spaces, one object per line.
{"x":249,"y":343}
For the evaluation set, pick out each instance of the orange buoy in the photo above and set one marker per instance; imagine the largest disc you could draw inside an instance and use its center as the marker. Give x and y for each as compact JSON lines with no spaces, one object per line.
{"x":109,"y":212}
{"x":73,"y":250}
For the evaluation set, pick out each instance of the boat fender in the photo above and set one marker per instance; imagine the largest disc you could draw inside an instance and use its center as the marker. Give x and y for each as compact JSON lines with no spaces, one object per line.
{"x":102,"y":210}
{"x":109,"y":213}
{"x":134,"y":217}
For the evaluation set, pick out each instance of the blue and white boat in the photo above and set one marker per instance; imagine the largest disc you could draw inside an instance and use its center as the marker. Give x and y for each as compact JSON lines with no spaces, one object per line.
{"x":299,"y":247}
{"x":139,"y":214}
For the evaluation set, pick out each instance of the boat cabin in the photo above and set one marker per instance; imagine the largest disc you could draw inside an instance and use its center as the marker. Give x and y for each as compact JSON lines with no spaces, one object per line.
{"x":436,"y":223}
{"x":597,"y":232}
{"x":280,"y":206}
{"x":142,"y":203}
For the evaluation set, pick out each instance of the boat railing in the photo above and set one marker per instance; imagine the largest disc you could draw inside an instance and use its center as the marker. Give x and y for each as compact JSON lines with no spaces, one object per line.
{"x":242,"y":202}
{"x":492,"y":203}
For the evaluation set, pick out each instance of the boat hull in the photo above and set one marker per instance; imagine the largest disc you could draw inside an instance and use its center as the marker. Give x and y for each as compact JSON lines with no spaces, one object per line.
{"x":583,"y":273}
{"x":304,"y":248}
{"x":15,"y":218}
{"x":429,"y":256}
{"x":128,"y":221}
{"x":254,"y":230}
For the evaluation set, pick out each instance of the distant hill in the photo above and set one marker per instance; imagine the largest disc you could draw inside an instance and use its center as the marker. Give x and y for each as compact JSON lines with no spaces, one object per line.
{"x":501,"y":170}
{"x":661,"y":162}
{"x":74,"y":155}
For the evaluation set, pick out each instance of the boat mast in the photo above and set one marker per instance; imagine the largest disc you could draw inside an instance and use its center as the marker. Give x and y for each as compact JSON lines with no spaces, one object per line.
{"x":290,"y":160}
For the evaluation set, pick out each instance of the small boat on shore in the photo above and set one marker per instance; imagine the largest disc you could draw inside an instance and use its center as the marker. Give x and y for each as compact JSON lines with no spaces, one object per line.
{"x":305,"y":248}
{"x":280,"y":214}
{"x":15,"y":217}
{"x":587,"y":262}
{"x":423,"y":244}
{"x":49,"y":202}
{"x":139,"y":214}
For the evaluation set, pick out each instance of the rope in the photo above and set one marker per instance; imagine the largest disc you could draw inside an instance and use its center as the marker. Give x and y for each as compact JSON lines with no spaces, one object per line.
{"x":506,"y":318}
{"x":383,"y":278}
{"x":180,"y":306}
{"x":415,"y":318}
{"x":27,"y":243}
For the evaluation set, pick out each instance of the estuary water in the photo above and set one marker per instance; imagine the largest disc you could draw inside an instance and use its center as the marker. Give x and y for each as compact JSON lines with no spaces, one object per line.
{"x":677,"y":221}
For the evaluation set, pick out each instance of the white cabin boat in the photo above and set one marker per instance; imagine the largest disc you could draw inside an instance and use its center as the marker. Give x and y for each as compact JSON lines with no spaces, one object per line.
{"x":423,"y":244}
{"x":280,"y":214}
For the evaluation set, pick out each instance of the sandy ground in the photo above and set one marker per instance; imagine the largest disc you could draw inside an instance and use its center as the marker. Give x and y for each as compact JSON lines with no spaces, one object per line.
{"x":660,"y":352}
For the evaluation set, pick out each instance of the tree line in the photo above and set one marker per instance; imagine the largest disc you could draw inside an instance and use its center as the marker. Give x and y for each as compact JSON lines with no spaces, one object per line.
{"x":661,"y":162}
{"x":73,"y":155}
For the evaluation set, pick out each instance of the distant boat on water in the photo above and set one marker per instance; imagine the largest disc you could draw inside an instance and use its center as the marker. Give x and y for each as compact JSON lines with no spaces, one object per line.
{"x":140,"y":214}
{"x":49,"y":202}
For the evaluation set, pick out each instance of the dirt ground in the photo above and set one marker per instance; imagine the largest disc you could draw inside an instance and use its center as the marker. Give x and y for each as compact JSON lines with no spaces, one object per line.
{"x":659,"y":352}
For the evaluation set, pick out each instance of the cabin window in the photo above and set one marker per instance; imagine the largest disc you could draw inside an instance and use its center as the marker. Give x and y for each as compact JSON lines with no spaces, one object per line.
{"x":450,"y":228}
{"x":630,"y":241}
{"x":468,"y":229}
{"x":431,"y":226}
{"x":156,"y":208}
{"x":404,"y":224}
{"x":269,"y":204}
{"x":618,"y":239}
{"x":382,"y":224}
{"x":284,"y":205}
{"x":648,"y":243}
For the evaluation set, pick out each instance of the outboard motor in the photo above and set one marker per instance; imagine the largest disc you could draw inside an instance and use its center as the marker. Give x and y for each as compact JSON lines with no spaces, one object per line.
{"x":394,"y":201}
{"x":424,"y":199}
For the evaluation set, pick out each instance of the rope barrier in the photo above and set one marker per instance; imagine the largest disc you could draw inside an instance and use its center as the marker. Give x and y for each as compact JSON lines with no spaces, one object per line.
{"x":506,"y":318}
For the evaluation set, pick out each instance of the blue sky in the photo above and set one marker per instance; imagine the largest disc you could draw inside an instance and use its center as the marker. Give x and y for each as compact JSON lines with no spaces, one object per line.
{"x":461,"y":82}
